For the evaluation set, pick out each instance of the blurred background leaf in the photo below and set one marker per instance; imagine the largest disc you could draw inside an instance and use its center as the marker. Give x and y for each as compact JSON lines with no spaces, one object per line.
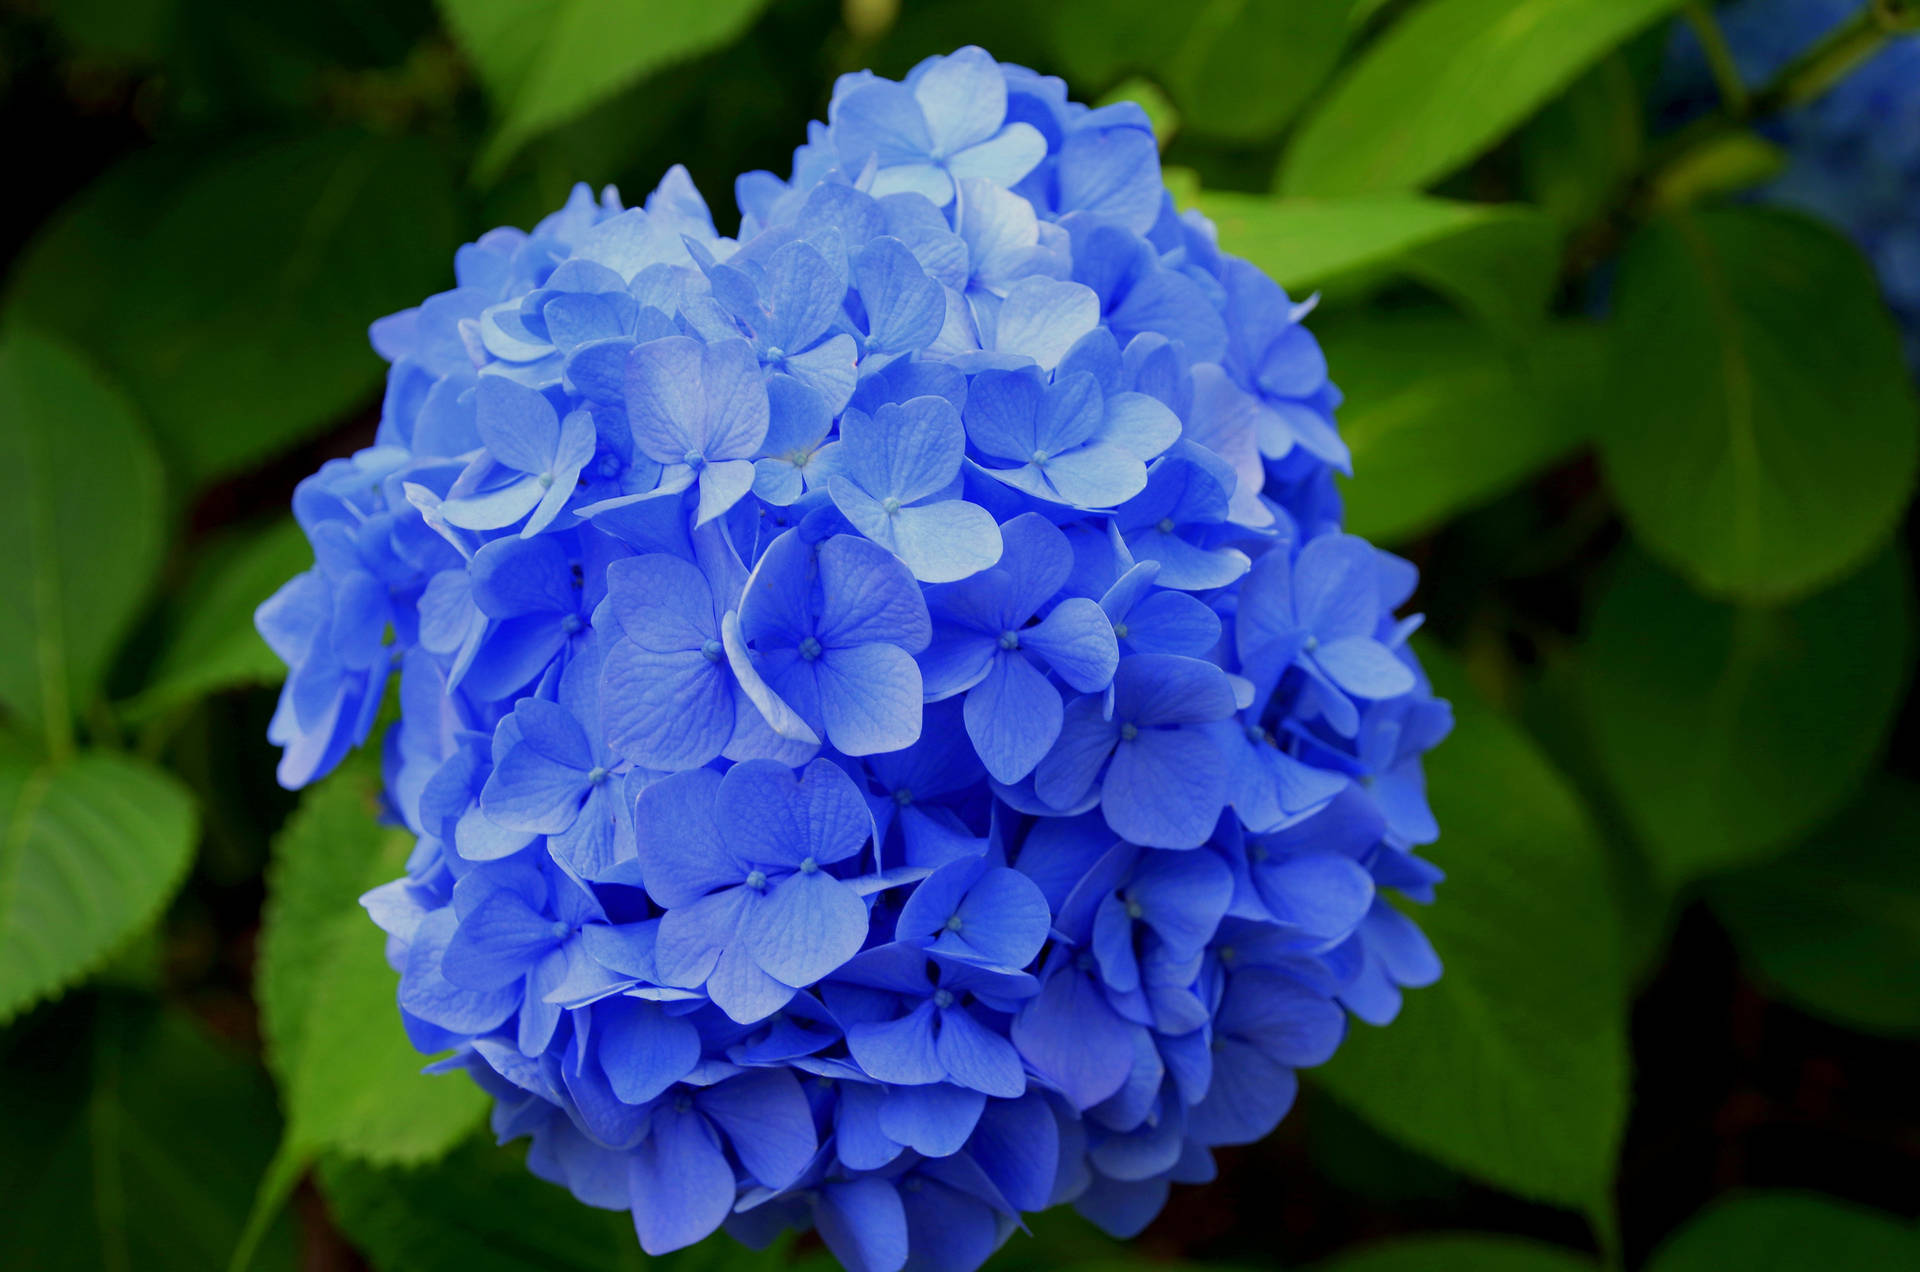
{"x":1234,"y":69}
{"x":1788,"y":1232}
{"x":545,"y":64}
{"x":1460,"y":1252}
{"x":213,"y":644}
{"x":237,"y":282}
{"x":80,"y":508}
{"x":1441,"y":415}
{"x":1727,"y":732}
{"x":1513,"y":1067}
{"x":129,"y":1140}
{"x":1492,"y":62}
{"x":1835,"y":926}
{"x":1762,"y":430}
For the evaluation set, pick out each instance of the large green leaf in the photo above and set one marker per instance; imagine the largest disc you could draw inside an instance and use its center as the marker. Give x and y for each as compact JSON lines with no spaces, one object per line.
{"x":232,"y":288}
{"x":1513,"y":1067}
{"x":214,"y":645}
{"x":1789,"y":1232}
{"x":1834,"y":927}
{"x":481,"y":1210}
{"x":350,"y":1080}
{"x":1726,"y":733}
{"x":1445,"y":83}
{"x":1460,"y":1252}
{"x":80,"y":513}
{"x":1761,"y":431}
{"x":545,"y":64}
{"x":90,"y":850}
{"x":129,"y":1142}
{"x":1236,"y":69}
{"x":1440,"y":415}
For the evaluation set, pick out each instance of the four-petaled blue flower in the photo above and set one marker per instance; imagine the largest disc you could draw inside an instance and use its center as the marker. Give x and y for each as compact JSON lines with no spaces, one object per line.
{"x":739,"y":863}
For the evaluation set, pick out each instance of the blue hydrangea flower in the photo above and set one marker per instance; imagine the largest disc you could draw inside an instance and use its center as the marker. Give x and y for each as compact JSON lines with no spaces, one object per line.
{"x":896,"y":736}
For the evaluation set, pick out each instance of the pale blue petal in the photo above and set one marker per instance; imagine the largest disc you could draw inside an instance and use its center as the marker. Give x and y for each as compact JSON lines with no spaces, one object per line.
{"x":679,"y":1181}
{"x":807,"y":925}
{"x":870,"y":698}
{"x":1013,"y":717}
{"x":1164,"y":789}
{"x":1077,"y":641}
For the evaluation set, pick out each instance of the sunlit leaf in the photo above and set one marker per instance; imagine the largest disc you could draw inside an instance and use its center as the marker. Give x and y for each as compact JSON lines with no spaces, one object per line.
{"x":1446,"y":82}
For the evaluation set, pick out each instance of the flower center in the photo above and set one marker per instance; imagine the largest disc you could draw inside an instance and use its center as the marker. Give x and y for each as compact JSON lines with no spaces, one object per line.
{"x":596,"y":775}
{"x":1133,"y":910}
{"x":1128,"y":732}
{"x":943,"y":998}
{"x":695,"y":460}
{"x":953,"y":923}
{"x":681,"y":1104}
{"x":1009,"y":640}
{"x":559,"y":928}
{"x":571,"y":624}
{"x":1310,"y":644}
{"x":890,"y":505}
{"x":1257,"y":734}
{"x":903,"y":796}
{"x":1165,"y":526}
{"x":809,"y":649}
{"x":757,"y":880}
{"x":809,"y":866}
{"x":1120,"y":630}
{"x":1040,"y":457}
{"x":711,"y":650}
{"x":546,"y":481}
{"x":776,"y":354}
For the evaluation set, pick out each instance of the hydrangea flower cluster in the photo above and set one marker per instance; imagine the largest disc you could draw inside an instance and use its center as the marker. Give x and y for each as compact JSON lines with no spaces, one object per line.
{"x":1853,"y":153}
{"x":896,"y":735}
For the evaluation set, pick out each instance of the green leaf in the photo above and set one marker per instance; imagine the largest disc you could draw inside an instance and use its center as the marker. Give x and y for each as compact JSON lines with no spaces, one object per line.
{"x":1725,"y":733}
{"x":1441,"y":416}
{"x":1237,"y":69}
{"x":1502,"y":270}
{"x":1305,"y":242}
{"x":237,"y":283}
{"x":350,"y":1080}
{"x":545,"y":64}
{"x":1447,"y":82}
{"x":1513,"y":1067}
{"x":80,"y":512}
{"x":1580,"y":151}
{"x":481,"y":1210}
{"x":90,"y":851}
{"x":1789,"y":1232}
{"x":1460,"y":1252}
{"x":129,"y":1142}
{"x":1761,"y":432}
{"x":215,"y":645}
{"x":1834,"y":927}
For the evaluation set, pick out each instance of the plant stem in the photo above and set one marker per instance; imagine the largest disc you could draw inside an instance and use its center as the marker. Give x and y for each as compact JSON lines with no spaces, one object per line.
{"x":1713,"y":42}
{"x":1802,"y":80}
